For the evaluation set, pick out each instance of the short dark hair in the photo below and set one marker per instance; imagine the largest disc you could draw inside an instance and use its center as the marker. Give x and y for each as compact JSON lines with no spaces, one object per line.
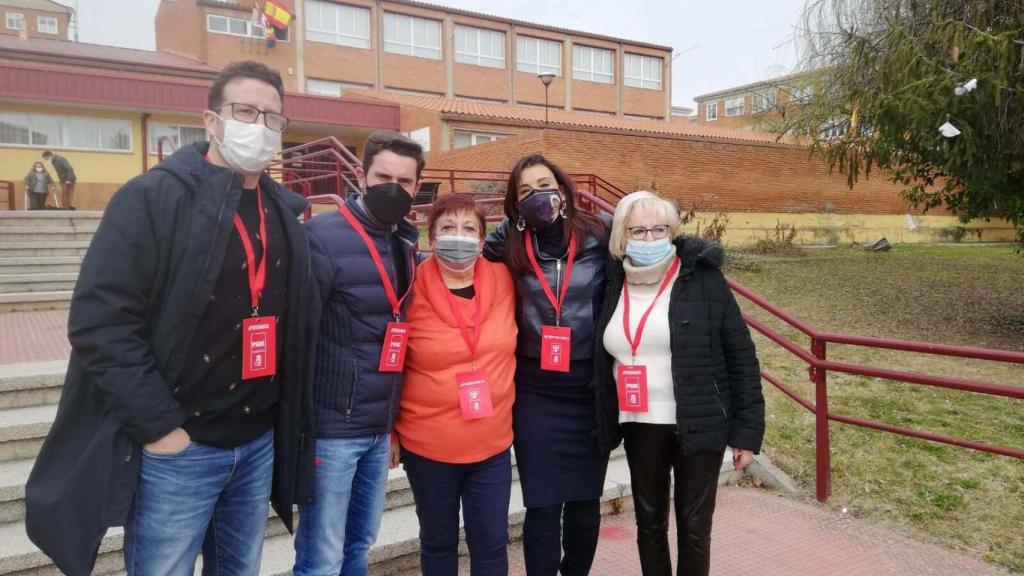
{"x":395,"y":142}
{"x":244,"y":69}
{"x":47,"y":154}
{"x":453,"y":204}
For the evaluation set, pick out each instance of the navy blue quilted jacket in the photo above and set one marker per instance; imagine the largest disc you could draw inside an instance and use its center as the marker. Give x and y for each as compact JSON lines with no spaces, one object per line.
{"x":351,"y":397}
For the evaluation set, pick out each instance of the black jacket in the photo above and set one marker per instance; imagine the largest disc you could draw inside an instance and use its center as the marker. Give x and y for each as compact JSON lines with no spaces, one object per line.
{"x":141,"y":293}
{"x":715,"y":371}
{"x":533,"y":310}
{"x":352,"y":397}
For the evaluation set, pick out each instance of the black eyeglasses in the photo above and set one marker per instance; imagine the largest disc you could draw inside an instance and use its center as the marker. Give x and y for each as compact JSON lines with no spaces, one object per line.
{"x":657,"y":232}
{"x":250,"y":115}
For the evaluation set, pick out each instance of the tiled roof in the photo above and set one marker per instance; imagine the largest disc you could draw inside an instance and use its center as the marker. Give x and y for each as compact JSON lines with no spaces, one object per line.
{"x":78,"y":51}
{"x":433,"y":6}
{"x":483,"y":111}
{"x":752,"y":85}
{"x":41,"y":5}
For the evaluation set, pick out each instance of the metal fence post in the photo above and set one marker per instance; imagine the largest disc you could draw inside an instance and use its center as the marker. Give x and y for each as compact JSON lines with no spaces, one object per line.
{"x":822,"y":446}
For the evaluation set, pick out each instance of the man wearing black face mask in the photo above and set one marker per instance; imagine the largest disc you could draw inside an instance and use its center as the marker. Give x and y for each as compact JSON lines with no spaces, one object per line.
{"x":364,"y":262}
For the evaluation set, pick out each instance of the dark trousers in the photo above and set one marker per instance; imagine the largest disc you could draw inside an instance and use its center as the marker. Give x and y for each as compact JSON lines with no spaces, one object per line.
{"x":653,"y":453}
{"x":572,"y":527}
{"x":484,"y":489}
{"x":36,"y":201}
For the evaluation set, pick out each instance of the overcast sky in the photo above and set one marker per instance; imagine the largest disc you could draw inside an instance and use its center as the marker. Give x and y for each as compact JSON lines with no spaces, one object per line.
{"x":717,"y":44}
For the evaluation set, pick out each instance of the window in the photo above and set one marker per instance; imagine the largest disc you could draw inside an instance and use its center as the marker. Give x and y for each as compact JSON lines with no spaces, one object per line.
{"x":711,"y":111}
{"x":801,"y":95}
{"x":593,"y":64}
{"x":338,"y":24}
{"x":734,"y":106}
{"x":763,"y":100}
{"x":412,"y":36}
{"x":642,"y":71}
{"x":330,"y":87}
{"x":70,"y":132}
{"x":480,"y":47}
{"x":538,"y":56}
{"x":46,"y":24}
{"x":178,"y":135}
{"x":467,"y":139}
{"x":835,"y":128}
{"x":15,"y":21}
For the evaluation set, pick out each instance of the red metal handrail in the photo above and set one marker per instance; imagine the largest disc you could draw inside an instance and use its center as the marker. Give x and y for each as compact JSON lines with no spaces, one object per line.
{"x":11,"y":194}
{"x":819,"y":366}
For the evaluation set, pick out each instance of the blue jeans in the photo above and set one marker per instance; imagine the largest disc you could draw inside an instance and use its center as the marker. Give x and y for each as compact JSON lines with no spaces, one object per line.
{"x":483,"y":489}
{"x":335,"y":534}
{"x":214,"y":499}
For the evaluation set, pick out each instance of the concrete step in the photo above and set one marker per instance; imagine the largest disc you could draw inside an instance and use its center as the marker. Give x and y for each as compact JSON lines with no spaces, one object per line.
{"x":46,"y":233}
{"x":50,"y":218}
{"x":22,"y":430}
{"x":47,"y":248}
{"x":40,"y":264}
{"x":397,"y":546}
{"x":33,"y":384}
{"x":28,"y":301}
{"x":38,"y":282}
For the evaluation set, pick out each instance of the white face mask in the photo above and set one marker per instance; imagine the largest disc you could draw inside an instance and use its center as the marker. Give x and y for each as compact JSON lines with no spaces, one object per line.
{"x":39,"y":168}
{"x":248,"y":148}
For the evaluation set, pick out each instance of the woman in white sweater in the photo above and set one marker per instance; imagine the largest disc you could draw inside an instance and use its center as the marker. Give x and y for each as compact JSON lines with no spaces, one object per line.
{"x":680,"y":373}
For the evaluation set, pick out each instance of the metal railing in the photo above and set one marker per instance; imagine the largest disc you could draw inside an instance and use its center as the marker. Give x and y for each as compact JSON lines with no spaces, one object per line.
{"x":819,"y":366}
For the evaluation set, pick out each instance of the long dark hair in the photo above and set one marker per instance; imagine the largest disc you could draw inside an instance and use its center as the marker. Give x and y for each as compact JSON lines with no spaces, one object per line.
{"x":580,"y":222}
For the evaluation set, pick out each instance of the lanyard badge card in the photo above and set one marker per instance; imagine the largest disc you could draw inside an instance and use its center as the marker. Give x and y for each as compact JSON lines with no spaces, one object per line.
{"x":474,"y":387}
{"x":259,"y":333}
{"x":632,"y":379}
{"x":396,"y":335}
{"x":555,"y":341}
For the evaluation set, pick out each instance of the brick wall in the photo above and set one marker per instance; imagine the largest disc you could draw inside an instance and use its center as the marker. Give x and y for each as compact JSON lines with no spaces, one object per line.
{"x":31,"y":18}
{"x":733,"y":177}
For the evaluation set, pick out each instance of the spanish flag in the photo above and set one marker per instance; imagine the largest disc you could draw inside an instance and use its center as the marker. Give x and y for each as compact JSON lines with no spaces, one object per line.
{"x":278,"y":12}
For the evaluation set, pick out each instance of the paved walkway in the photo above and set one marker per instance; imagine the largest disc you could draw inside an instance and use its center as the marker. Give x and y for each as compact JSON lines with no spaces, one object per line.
{"x":759,"y":533}
{"x":34,"y":336}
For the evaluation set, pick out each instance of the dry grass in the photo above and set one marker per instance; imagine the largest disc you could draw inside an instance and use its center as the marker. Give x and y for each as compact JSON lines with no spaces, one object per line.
{"x":952,"y":295}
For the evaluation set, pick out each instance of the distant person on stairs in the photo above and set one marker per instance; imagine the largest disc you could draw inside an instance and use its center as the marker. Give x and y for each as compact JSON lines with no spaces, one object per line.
{"x":66,"y":176}
{"x":37,"y":185}
{"x":182,"y":412}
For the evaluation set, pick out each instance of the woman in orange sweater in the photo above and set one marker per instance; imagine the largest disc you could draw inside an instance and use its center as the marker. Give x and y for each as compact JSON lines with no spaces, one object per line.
{"x":454,"y":429}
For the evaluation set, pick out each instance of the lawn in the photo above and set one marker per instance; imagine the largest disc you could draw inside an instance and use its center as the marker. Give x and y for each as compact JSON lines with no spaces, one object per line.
{"x":952,"y":295}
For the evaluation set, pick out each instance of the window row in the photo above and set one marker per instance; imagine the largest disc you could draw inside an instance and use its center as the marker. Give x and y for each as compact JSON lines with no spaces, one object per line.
{"x":68,"y":132}
{"x":44,"y":24}
{"x":760,"y":101}
{"x":238,"y":27}
{"x":346,"y":25}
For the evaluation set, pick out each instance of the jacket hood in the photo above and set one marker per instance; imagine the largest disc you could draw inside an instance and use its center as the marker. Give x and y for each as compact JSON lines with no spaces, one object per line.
{"x":694,"y":251}
{"x":189,"y":165}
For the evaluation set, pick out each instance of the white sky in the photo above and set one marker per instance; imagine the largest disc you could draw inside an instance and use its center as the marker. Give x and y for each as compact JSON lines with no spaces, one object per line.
{"x":718,"y":44}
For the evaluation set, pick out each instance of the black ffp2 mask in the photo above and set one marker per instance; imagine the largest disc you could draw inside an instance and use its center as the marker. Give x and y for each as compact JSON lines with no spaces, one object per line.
{"x":387,"y":202}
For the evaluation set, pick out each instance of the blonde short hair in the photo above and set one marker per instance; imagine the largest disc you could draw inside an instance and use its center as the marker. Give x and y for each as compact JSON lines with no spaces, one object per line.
{"x":665,"y":209}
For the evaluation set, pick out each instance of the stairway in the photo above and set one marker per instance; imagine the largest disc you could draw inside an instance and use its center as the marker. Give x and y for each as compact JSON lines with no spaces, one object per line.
{"x":28,"y":397}
{"x":40,"y":254}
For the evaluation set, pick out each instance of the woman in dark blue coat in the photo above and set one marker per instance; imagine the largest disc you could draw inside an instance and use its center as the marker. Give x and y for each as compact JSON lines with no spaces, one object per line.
{"x":556,"y":254}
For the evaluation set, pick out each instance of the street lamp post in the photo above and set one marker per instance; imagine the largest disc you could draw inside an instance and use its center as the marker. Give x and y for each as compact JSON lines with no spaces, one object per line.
{"x":546,"y":79}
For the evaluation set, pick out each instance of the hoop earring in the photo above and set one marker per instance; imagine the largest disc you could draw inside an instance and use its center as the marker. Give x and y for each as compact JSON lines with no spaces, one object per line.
{"x":521,"y":224}
{"x":562,"y":211}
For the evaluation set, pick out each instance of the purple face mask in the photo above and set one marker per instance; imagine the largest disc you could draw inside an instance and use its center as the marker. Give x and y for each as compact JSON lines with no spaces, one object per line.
{"x":540,"y":208}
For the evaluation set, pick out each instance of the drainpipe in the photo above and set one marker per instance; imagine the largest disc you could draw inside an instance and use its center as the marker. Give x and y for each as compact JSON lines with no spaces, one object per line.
{"x":145,"y":141}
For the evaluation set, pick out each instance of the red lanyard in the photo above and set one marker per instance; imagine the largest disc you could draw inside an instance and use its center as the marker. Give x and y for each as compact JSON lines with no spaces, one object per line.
{"x":257,"y":271}
{"x":396,"y":304}
{"x":556,"y":304}
{"x":635,"y":343}
{"x":474,"y":341}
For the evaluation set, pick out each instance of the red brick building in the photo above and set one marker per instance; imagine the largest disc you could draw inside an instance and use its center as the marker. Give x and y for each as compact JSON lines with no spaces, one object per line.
{"x":35,"y":19}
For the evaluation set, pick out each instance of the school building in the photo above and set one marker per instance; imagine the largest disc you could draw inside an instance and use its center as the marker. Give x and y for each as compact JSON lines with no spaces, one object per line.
{"x":465,"y":85}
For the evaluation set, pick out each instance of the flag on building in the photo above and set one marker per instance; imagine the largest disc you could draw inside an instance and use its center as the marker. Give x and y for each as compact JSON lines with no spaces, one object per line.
{"x":278,"y":12}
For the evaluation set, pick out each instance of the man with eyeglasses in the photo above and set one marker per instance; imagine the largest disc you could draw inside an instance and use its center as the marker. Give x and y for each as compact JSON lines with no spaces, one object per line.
{"x":183,"y":409}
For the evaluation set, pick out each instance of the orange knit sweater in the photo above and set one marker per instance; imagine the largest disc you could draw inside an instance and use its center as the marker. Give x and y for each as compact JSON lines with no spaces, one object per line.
{"x":430,"y":422}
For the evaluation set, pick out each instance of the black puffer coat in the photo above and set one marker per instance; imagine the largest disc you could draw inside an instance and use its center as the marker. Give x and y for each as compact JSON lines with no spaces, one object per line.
{"x":715,"y":370}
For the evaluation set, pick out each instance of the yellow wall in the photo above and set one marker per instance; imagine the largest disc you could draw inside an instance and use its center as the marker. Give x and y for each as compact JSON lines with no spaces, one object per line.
{"x":99,"y":174}
{"x":746,"y":229}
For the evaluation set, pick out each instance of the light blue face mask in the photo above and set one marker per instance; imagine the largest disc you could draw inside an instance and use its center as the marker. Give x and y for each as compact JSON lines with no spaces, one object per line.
{"x":648,"y":253}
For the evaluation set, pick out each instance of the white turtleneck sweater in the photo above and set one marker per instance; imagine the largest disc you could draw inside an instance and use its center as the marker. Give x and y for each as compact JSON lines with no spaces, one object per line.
{"x":655,"y":351}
